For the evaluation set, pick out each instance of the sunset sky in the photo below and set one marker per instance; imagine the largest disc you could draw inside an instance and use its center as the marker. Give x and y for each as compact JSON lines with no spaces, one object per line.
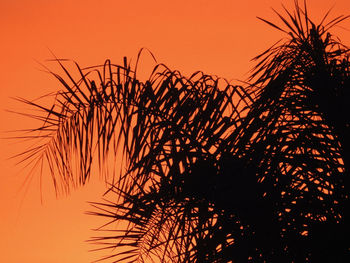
{"x":218,"y":37}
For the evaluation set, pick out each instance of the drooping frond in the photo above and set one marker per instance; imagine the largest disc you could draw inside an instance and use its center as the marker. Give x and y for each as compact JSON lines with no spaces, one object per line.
{"x":164,"y":127}
{"x":107,"y":108}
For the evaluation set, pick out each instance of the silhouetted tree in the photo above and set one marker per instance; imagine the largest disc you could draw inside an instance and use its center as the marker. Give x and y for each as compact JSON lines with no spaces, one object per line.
{"x":214,"y":172}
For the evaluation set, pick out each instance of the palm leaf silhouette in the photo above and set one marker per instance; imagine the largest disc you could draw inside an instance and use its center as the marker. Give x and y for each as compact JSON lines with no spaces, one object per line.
{"x":213,"y":172}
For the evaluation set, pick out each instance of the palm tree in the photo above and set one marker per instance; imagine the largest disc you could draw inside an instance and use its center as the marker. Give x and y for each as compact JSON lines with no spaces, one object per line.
{"x":213,"y":172}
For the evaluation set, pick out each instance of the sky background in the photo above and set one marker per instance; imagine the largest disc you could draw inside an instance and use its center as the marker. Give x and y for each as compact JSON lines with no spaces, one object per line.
{"x":218,"y":37}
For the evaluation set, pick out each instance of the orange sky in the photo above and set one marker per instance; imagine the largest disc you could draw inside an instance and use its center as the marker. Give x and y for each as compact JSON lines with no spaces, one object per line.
{"x":219,"y":37}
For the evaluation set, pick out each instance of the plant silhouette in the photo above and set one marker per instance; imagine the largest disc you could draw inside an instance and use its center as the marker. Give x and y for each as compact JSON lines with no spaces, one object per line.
{"x":214,"y":172}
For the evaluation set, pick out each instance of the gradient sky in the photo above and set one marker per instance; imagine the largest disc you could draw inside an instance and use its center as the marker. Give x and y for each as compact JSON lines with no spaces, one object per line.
{"x":218,"y":37}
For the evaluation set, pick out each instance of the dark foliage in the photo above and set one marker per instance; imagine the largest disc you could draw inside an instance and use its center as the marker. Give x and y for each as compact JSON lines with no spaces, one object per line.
{"x":214,"y":172}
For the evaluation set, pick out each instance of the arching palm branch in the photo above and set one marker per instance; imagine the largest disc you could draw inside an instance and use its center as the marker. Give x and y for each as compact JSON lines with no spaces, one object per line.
{"x":167,"y":128}
{"x":213,"y":172}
